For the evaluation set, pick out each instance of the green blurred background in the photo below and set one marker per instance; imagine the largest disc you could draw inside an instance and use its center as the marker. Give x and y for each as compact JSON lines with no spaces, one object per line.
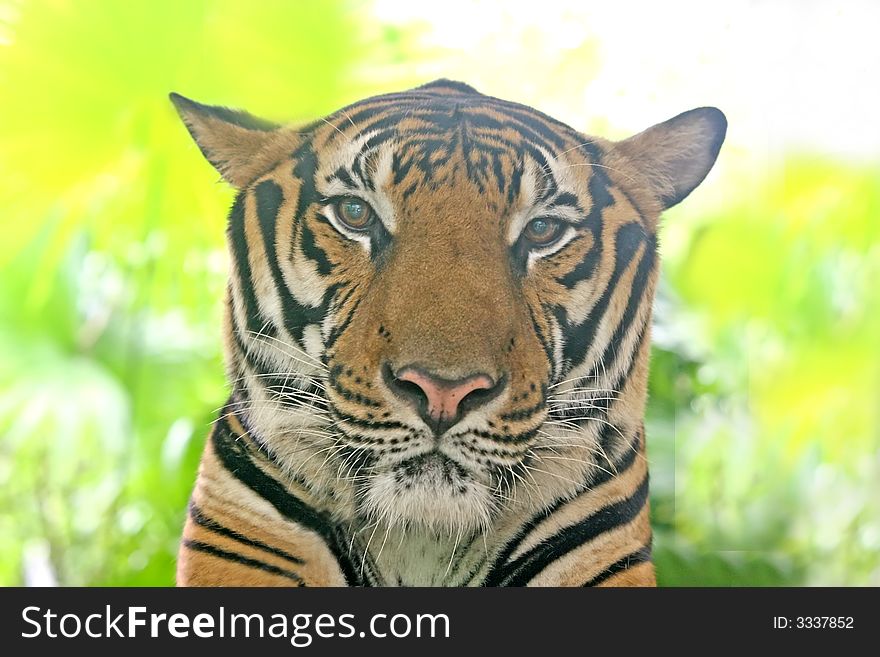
{"x":763,"y":412}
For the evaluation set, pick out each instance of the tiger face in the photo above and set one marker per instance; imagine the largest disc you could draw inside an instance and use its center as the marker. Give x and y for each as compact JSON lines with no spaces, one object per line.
{"x":439,"y":302}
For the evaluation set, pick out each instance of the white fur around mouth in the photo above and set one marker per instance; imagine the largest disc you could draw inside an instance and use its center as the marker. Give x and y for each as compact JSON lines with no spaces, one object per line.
{"x":429,"y":491}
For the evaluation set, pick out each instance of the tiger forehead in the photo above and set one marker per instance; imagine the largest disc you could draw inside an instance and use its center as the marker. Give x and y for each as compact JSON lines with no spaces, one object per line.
{"x":511,"y":156}
{"x":442,"y":128}
{"x":449,"y":113}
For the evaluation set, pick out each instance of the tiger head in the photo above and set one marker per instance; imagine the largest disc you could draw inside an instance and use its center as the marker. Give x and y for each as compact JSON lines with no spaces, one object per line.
{"x":439,"y":301}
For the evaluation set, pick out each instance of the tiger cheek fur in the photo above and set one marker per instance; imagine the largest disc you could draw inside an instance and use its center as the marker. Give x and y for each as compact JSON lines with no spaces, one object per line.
{"x":437,"y":337}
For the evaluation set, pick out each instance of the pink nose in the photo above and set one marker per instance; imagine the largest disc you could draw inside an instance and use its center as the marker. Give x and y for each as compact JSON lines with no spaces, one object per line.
{"x":444,"y":396}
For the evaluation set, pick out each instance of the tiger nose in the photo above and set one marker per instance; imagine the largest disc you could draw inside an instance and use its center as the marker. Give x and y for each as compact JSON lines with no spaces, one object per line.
{"x":442,"y":402}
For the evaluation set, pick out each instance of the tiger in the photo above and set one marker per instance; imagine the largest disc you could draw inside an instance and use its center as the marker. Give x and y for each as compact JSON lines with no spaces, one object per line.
{"x":436,"y":337}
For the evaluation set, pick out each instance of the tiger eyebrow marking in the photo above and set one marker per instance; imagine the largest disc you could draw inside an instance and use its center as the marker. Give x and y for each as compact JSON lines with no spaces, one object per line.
{"x":562,"y":204}
{"x":361,"y":167}
{"x":343,"y":175}
{"x":528,"y":198}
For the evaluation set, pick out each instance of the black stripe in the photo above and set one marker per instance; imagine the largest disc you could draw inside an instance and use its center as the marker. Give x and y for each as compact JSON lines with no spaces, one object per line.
{"x":548,"y":181}
{"x":312,"y":250}
{"x":426,"y":106}
{"x":545,"y":342}
{"x":641,"y":555}
{"x":371,"y":144}
{"x":498,"y":171}
{"x":339,"y":329}
{"x":344,"y":289}
{"x":613,"y":351}
{"x":532,"y":126}
{"x":544,"y":126}
{"x":210,"y":524}
{"x":237,"y":462}
{"x":515,"y":182}
{"x":523,"y":413}
{"x":339,"y":414}
{"x":600,"y":199}
{"x":401,"y":167}
{"x":608,"y":437}
{"x":636,"y":298}
{"x":643,"y":334}
{"x":601,"y":477}
{"x":297,"y":316}
{"x":523,"y":569}
{"x":567,"y":199}
{"x":358,"y":169}
{"x":240,"y":251}
{"x":578,"y":341}
{"x":243,"y":560}
{"x":352,"y":395}
{"x":342,"y":174}
{"x":633,"y":203}
{"x":521,"y":437}
{"x":364,"y":111}
{"x":383,"y":115}
{"x":591,"y":149}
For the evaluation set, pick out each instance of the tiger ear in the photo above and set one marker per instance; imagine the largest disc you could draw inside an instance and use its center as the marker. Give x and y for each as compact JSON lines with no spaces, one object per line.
{"x":674,"y":157}
{"x":235,"y":142}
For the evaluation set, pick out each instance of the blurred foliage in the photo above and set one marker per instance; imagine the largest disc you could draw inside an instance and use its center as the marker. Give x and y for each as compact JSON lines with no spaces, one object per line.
{"x":763,"y":427}
{"x":765,"y":387}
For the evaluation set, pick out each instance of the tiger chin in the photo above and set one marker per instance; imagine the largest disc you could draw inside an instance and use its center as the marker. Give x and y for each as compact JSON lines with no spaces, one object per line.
{"x":436,"y":334}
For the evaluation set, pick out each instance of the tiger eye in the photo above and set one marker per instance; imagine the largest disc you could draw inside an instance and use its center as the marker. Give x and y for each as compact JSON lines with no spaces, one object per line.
{"x":542,"y":231}
{"x":354,"y":213}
